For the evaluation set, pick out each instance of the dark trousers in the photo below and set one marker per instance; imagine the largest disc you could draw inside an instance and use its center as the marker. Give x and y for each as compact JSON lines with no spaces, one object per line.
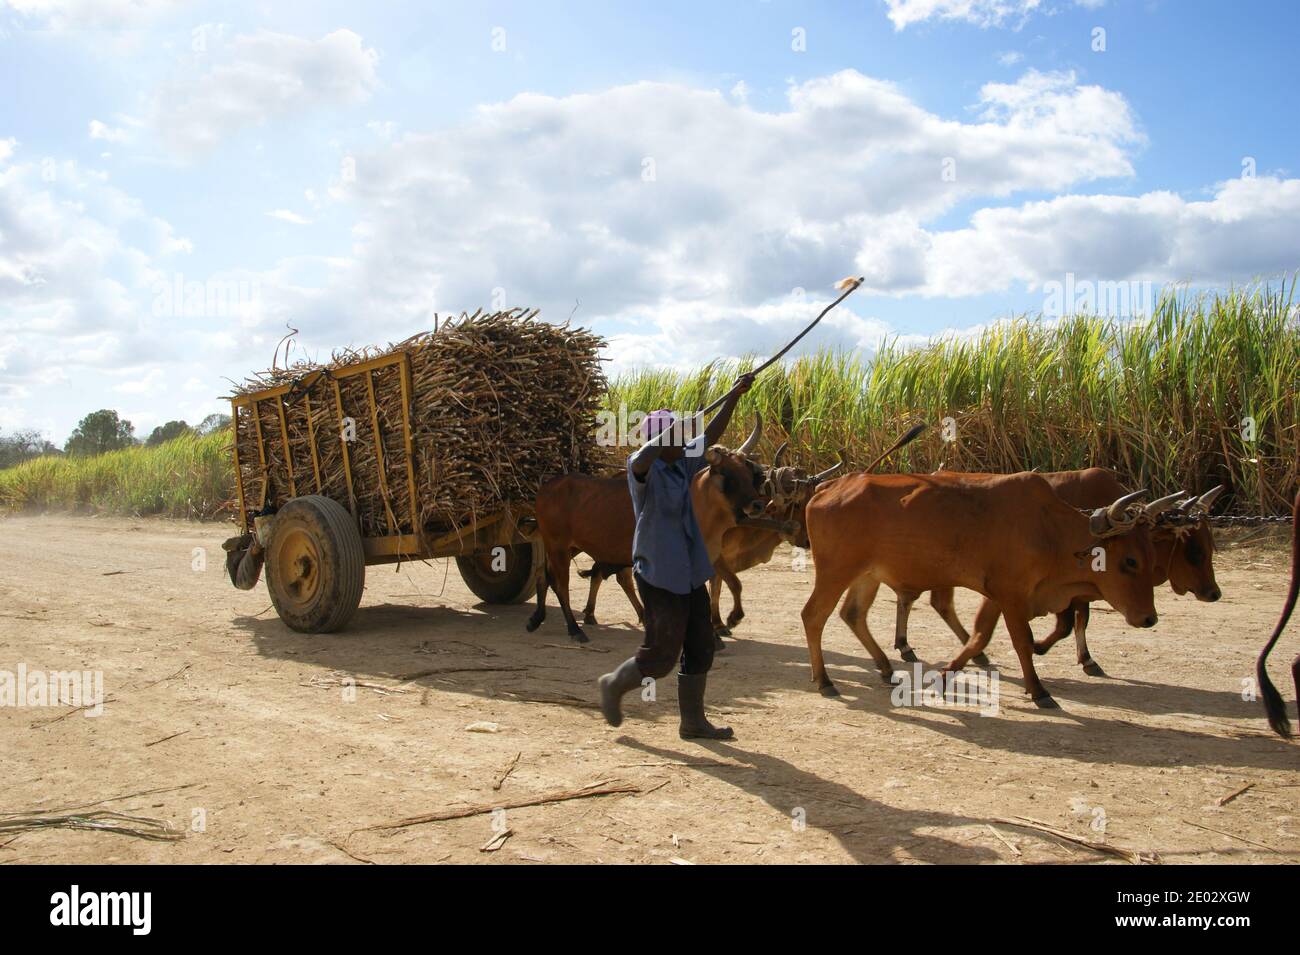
{"x":677,"y":627}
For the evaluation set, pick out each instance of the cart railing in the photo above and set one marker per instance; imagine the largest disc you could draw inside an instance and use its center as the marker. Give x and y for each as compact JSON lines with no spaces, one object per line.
{"x":298,"y":480}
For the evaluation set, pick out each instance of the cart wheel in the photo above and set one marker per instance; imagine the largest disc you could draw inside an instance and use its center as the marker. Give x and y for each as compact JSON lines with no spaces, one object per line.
{"x":315,"y":567}
{"x":483,"y":572}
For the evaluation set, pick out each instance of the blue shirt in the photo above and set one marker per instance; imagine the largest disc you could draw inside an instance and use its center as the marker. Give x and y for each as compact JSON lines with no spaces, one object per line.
{"x":668,"y":548}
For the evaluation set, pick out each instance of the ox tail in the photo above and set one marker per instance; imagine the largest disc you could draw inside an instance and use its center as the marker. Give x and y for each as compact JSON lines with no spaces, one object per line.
{"x":1274,"y":705}
{"x":601,"y":570}
{"x":908,"y":438}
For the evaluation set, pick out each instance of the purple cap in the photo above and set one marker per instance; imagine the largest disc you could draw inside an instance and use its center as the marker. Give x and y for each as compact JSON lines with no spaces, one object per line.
{"x":656,"y":423}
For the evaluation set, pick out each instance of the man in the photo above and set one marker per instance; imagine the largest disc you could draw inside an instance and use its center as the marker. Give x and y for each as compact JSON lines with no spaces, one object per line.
{"x":671,"y":567}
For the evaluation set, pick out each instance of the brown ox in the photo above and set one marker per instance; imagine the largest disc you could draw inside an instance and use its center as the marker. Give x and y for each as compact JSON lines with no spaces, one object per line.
{"x":1008,"y":537}
{"x":1184,"y":556}
{"x":578,"y":513}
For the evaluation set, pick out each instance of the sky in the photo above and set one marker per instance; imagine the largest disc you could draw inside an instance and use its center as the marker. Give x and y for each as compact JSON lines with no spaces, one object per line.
{"x":182,"y":183}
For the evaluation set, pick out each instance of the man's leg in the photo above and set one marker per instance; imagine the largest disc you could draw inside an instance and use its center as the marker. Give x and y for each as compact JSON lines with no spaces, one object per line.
{"x":697,"y":659}
{"x":665,"y":630}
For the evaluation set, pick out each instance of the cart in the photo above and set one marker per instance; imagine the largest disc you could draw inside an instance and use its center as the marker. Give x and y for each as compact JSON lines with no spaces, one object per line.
{"x":315,"y":553}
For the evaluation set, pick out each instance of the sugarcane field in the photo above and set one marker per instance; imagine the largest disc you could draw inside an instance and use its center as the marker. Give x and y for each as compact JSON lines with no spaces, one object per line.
{"x":542,"y":435}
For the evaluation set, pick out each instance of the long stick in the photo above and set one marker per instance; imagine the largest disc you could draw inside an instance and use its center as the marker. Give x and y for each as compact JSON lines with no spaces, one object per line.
{"x":849,"y":285}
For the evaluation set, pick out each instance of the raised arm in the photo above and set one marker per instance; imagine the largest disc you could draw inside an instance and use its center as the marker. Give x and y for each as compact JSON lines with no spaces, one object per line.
{"x":718,"y":426}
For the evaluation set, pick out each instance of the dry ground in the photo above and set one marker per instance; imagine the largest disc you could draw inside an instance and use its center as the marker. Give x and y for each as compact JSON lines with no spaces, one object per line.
{"x":209,"y":692}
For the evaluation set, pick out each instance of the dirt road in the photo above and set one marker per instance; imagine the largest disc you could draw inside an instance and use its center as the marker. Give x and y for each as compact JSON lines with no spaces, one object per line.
{"x":247,"y":735}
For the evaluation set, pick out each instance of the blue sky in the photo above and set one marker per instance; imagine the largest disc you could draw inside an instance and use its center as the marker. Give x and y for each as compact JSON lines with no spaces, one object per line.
{"x":679,"y":171}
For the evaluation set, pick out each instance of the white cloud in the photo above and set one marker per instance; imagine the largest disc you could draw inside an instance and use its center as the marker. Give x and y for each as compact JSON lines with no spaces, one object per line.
{"x":92,"y":14}
{"x":1251,"y":227}
{"x":256,"y":78}
{"x":111,"y":134}
{"x":655,"y":193}
{"x":78,"y":258}
{"x":984,"y":13}
{"x":981,"y":13}
{"x":287,"y":215}
{"x":1010,"y":57}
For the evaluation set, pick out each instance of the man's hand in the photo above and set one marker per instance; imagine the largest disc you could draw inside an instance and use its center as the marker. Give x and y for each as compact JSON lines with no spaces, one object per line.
{"x":743,"y":383}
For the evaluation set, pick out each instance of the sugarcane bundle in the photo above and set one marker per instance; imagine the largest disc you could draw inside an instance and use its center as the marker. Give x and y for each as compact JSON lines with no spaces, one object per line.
{"x":499,"y":403}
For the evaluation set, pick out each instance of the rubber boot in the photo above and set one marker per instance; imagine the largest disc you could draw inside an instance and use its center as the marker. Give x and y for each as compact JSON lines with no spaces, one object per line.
{"x":690,"y":700}
{"x":627,"y":676}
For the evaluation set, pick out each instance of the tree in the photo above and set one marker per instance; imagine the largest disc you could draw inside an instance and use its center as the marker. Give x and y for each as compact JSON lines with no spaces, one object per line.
{"x":23,"y":446}
{"x":100,"y":431}
{"x":166,"y":432}
{"x":213,"y":422}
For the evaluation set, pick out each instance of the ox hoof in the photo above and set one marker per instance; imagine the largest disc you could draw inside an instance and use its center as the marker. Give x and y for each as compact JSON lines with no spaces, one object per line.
{"x":887,"y":676}
{"x":720,"y":631}
{"x":718,"y":645}
{"x":577,"y":636}
{"x":1093,"y":668}
{"x":734,"y":618}
{"x":909,"y":655}
{"x":980,"y":660}
{"x":590,"y":620}
{"x":1045,"y":702}
{"x":532,"y":624}
{"x":828,"y":690}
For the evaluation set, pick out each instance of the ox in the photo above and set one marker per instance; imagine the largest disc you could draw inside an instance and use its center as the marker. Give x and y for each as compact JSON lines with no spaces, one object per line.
{"x":579,"y":513}
{"x":1184,"y":552}
{"x":1008,"y":537}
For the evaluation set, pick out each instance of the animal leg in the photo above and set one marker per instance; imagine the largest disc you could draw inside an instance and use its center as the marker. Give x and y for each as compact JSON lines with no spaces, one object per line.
{"x":821,"y":602}
{"x":557,"y":568}
{"x":733,"y":584}
{"x":1022,"y":638}
{"x":624,"y":578}
{"x":1064,"y":624}
{"x":715,"y":599}
{"x":1090,"y":666}
{"x":862,"y":593}
{"x":589,"y":611}
{"x":985,"y":622}
{"x":539,"y":614}
{"x":942,"y":601}
{"x":902,"y":611}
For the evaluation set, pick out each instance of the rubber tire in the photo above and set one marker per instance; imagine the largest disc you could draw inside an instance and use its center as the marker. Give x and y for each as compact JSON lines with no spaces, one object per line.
{"x":342,"y":565}
{"x":516,"y":585}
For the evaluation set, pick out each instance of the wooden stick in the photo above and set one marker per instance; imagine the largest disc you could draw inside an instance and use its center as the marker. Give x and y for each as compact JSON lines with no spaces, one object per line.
{"x":508,"y":770}
{"x":1258,"y":845}
{"x":1224,"y":800}
{"x":1131,"y":856}
{"x":849,"y":286}
{"x":479,"y":809}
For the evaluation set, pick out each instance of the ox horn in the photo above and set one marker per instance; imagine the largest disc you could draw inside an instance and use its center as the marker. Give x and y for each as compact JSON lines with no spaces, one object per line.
{"x":823,"y":475}
{"x":1117,"y":512}
{"x":776,"y":461}
{"x":752,"y":441}
{"x":1206,"y":500}
{"x":1162,"y":504}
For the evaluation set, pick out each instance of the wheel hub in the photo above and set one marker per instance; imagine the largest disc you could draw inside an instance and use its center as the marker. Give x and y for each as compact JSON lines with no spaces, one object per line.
{"x":297,"y":563}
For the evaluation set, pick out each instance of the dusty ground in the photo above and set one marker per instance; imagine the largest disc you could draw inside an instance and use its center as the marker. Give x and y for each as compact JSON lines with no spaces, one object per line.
{"x":215,"y":702}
